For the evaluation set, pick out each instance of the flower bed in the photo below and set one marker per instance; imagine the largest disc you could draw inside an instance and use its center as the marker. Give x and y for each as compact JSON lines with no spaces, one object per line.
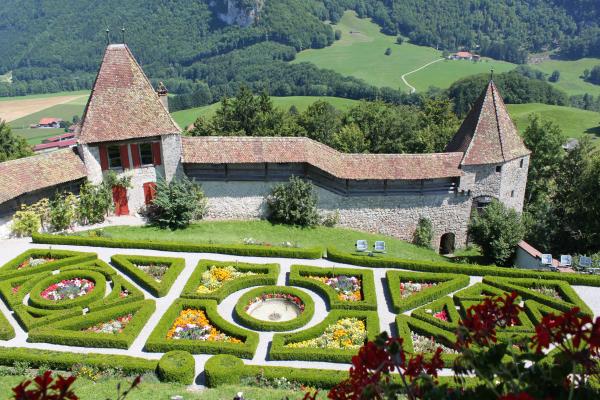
{"x":547,"y":291}
{"x":347,"y":333}
{"x":112,"y":327}
{"x":410,"y":288}
{"x":155,"y":274}
{"x":348,"y":288}
{"x":34,"y":262}
{"x":156,"y":271}
{"x":68,"y":289}
{"x":215,"y":277}
{"x":425,"y":344}
{"x":39,"y":260}
{"x":194,"y":325}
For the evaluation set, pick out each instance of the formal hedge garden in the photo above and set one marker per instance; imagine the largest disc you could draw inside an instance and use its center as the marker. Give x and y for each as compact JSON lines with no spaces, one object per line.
{"x":155,"y":274}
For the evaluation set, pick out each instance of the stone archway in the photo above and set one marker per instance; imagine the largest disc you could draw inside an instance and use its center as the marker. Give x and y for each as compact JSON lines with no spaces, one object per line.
{"x":447,"y":243}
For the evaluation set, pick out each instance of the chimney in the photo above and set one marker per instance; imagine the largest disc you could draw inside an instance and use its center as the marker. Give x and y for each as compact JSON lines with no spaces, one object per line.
{"x":163,"y":95}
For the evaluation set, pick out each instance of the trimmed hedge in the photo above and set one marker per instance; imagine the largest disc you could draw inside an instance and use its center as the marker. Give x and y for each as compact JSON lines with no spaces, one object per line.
{"x":125,"y":263}
{"x":445,"y":284}
{"x":448,"y":267}
{"x":64,"y":361}
{"x":478,"y":292}
{"x":234,"y":249}
{"x":158,"y":342}
{"x":7,"y":332}
{"x":69,"y":332}
{"x":405,"y":325}
{"x":279,"y":351}
{"x":523,"y":288}
{"x":63,"y":258}
{"x":98,"y":292}
{"x":525,"y":325}
{"x":445,"y":303}
{"x":260,"y":325}
{"x":266,"y":274}
{"x":537,"y":311}
{"x":177,"y":366}
{"x":299,"y":276}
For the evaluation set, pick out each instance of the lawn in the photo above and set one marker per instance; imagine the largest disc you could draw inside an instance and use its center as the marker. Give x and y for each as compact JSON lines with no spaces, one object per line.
{"x":570,"y":75}
{"x":45,"y":95}
{"x":360,"y":53}
{"x":573,"y":121}
{"x":186,"y":117}
{"x":107,"y":389}
{"x":234,"y":232}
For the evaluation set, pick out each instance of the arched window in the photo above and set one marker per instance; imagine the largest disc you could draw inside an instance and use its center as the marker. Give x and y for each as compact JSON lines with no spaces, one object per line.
{"x":447,"y":243}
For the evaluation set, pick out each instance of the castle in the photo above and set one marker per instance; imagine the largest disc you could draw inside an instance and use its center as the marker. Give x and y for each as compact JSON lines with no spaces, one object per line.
{"x":127,"y":128}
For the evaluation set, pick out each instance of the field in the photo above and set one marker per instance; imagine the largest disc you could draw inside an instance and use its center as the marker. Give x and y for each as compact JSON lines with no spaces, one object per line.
{"x":360,"y":53}
{"x":573,"y":121}
{"x":186,"y":117}
{"x":570,"y":75}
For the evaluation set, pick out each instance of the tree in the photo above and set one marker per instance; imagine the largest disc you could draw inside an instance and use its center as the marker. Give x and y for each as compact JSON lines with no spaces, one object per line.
{"x":388,"y":51}
{"x":320,"y":120}
{"x":555,"y":77}
{"x":12,"y":146}
{"x":338,"y":34}
{"x":424,"y":233}
{"x":497,"y":230}
{"x":544,"y":139}
{"x":399,"y":40}
{"x":594,"y":75}
{"x":177,"y":203}
{"x":350,"y":139}
{"x":293,"y":203}
{"x":62,"y":211}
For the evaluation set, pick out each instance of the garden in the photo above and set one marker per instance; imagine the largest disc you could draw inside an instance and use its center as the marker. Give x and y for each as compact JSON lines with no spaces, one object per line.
{"x":253,"y":318}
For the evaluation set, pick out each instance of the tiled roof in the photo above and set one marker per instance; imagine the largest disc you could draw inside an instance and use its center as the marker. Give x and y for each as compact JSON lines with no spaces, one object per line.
{"x":123,"y":103}
{"x":535,"y":253}
{"x":488,"y":135}
{"x":240,"y":150}
{"x":48,"y":121}
{"x":58,"y":145}
{"x":41,"y":171}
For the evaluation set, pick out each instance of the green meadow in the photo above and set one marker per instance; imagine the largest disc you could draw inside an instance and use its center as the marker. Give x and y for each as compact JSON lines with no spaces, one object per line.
{"x":361,"y":53}
{"x":573,"y":121}
{"x":47,"y":95}
{"x":571,"y":73}
{"x":186,"y":117}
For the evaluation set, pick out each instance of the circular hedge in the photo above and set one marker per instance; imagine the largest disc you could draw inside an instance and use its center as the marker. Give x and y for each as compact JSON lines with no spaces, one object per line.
{"x":177,"y":366}
{"x":260,"y":325}
{"x":36,"y":299}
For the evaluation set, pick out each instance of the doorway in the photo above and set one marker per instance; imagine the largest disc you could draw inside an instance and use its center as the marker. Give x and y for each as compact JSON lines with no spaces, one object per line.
{"x":120,"y":200}
{"x":447,"y":243}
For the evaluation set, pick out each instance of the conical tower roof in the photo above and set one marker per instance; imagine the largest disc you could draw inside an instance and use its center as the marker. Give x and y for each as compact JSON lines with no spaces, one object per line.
{"x":488,"y":134}
{"x":123,"y":104}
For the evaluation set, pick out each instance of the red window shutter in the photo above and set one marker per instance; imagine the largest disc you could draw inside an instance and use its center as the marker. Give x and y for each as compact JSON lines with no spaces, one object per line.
{"x":149,"y":192}
{"x":156,"y":153}
{"x":103,"y":157}
{"x":124,"y":156}
{"x":135,"y":155}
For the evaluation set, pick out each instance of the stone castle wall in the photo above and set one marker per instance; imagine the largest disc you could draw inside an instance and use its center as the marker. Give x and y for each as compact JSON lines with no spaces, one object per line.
{"x":391,"y":215}
{"x":514,"y":181}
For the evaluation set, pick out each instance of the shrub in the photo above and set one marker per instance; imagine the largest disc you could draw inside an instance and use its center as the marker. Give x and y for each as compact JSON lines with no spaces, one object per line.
{"x":177,"y":203}
{"x":62,"y":211}
{"x":423,"y":233}
{"x":497,"y":230}
{"x":294,"y":203}
{"x":126,"y":264}
{"x":331,"y":219}
{"x":338,"y":34}
{"x":25,"y":223}
{"x":388,"y":51}
{"x":7,"y":332}
{"x":95,"y":202}
{"x":177,"y":366}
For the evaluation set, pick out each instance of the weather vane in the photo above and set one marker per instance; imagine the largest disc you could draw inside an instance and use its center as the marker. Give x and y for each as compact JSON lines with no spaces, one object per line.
{"x":123,"y":34}
{"x":107,"y":36}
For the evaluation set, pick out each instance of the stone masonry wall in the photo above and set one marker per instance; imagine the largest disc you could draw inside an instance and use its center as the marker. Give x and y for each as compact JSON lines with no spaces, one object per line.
{"x":171,"y":153}
{"x":391,"y":215}
{"x":514,"y":181}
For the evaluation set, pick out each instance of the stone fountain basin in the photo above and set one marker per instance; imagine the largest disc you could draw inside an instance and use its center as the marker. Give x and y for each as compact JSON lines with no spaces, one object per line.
{"x":274,"y":310}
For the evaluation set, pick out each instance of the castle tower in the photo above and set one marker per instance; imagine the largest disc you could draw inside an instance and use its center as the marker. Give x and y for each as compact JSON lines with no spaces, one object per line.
{"x":495,"y":161}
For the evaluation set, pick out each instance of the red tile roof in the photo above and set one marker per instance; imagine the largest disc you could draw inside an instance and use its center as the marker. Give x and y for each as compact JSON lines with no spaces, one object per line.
{"x":239,"y":150}
{"x":57,"y":138}
{"x":464,"y":54}
{"x":535,"y":253}
{"x":40,"y":171}
{"x":123,"y":104}
{"x":57,"y":144}
{"x":48,"y":121}
{"x":488,"y":135}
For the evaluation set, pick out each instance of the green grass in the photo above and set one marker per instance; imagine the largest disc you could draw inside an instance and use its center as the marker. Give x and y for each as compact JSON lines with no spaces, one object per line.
{"x":570,"y":75}
{"x":234,"y":232}
{"x":107,"y":389}
{"x":45,"y":95}
{"x":574,"y":122}
{"x":361,"y":54}
{"x":186,"y":117}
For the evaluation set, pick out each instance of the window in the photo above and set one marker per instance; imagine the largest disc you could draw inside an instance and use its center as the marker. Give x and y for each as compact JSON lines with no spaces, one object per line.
{"x":522,"y":163}
{"x":512,"y":193}
{"x":146,"y":153}
{"x":114,"y":157}
{"x":498,"y":168}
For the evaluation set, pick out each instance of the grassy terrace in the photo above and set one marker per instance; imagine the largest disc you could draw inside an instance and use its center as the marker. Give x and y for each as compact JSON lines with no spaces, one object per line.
{"x":234,"y":232}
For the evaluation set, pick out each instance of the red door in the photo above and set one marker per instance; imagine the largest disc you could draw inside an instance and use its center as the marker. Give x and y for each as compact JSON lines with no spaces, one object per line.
{"x":120,"y":199}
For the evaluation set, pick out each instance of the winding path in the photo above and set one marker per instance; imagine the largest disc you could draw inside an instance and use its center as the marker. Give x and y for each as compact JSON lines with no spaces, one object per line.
{"x":403,"y":77}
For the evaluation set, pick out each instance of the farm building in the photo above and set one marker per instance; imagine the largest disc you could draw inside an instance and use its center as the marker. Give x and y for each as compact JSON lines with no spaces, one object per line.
{"x":126,"y":128}
{"x":464,"y":55}
{"x":56,"y":142}
{"x":49,"y":123}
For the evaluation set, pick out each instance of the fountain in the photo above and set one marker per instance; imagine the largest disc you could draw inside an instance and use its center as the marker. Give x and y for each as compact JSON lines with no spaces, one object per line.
{"x":274,"y":310}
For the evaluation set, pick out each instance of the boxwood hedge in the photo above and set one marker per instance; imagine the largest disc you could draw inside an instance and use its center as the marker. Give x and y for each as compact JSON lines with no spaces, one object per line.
{"x":279,"y":350}
{"x":126,"y":264}
{"x":478,"y":292}
{"x":260,"y":325}
{"x":379,"y":261}
{"x":524,"y":326}
{"x":61,"y":258}
{"x":7,"y":332}
{"x":69,"y":331}
{"x":426,"y":312}
{"x":158,"y":342}
{"x":98,"y":292}
{"x":445,"y":284}
{"x":406,"y":325}
{"x":235,"y":249}
{"x":177,"y":366}
{"x":300,"y":276}
{"x":265,"y":274}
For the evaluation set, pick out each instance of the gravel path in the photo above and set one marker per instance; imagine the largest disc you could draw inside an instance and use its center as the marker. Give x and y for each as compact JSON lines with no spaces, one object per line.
{"x":11,"y":248}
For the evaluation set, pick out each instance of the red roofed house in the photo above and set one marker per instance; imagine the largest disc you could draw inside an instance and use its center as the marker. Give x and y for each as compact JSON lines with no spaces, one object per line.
{"x":126,"y":128}
{"x":49,"y":123}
